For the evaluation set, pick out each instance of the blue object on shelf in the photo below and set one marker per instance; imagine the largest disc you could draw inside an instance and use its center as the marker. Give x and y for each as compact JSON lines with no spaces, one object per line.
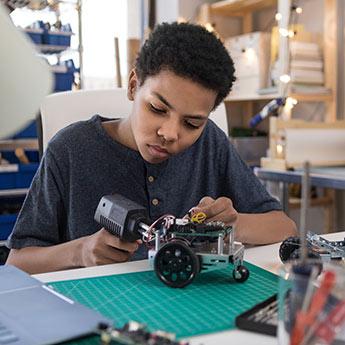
{"x":64,"y":80}
{"x":18,"y":179}
{"x":30,"y":131}
{"x":35,"y":35}
{"x":60,"y":37}
{"x":7,"y":222}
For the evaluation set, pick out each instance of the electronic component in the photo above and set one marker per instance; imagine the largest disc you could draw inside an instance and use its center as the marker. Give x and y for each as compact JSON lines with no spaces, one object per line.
{"x":182,"y":246}
{"x":135,"y":333}
{"x":318,"y":248}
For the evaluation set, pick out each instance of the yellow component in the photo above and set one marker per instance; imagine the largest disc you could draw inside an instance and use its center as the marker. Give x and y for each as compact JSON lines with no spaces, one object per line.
{"x":198,"y":217}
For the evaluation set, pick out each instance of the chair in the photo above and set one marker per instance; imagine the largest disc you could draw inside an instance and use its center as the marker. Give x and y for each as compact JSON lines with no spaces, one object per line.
{"x":61,"y":109}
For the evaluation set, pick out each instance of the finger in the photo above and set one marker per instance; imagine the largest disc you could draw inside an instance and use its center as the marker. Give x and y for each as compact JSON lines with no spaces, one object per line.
{"x":228,"y":218}
{"x":206,"y":200}
{"x":112,"y":255}
{"x":115,"y":242}
{"x":218,"y":206}
{"x":203,"y":203}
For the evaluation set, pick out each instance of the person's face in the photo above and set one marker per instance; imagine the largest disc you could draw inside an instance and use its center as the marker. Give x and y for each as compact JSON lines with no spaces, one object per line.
{"x":169,"y":114}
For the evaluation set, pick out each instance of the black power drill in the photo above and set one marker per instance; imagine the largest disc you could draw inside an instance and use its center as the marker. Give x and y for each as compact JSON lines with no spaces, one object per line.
{"x":122,"y":217}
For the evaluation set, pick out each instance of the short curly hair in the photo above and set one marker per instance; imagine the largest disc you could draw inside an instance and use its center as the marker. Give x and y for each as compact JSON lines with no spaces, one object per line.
{"x":189,"y":51}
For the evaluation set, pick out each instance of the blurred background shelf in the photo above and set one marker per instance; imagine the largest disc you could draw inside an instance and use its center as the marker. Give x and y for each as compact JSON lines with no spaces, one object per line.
{"x":240,"y":7}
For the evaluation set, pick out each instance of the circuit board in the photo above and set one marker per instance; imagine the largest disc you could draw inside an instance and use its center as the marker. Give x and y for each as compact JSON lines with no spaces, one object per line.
{"x":208,"y":305}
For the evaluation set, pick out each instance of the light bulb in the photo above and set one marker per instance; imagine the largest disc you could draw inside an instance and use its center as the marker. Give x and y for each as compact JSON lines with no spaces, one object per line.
{"x":285,"y":78}
{"x":278,"y":16}
{"x":284,"y":32}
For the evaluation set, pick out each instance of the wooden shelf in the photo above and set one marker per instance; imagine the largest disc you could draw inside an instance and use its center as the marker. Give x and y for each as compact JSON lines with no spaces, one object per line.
{"x":298,"y":96}
{"x":239,"y":7}
{"x":312,"y":97}
{"x":30,"y":144}
{"x":250,"y":98}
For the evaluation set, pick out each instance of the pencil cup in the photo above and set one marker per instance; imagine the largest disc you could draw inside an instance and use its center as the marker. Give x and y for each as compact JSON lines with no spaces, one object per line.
{"x":311,"y":304}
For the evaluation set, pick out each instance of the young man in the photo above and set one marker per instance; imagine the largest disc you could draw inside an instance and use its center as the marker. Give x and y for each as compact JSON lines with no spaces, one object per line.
{"x":167,"y":156}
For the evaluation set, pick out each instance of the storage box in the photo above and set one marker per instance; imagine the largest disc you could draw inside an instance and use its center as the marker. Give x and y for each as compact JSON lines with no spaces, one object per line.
{"x":57,"y":38}
{"x":64,"y":75}
{"x":36,"y":35}
{"x":17,"y":175}
{"x":7,"y":222}
{"x":251,"y":56}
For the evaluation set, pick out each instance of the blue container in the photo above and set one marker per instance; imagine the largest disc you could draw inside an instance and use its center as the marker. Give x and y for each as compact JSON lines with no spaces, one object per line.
{"x":29,"y":131}
{"x":18,"y":179}
{"x":35,"y":35}
{"x":57,"y":38}
{"x":7,"y":222}
{"x":63,"y":81}
{"x":7,"y":180}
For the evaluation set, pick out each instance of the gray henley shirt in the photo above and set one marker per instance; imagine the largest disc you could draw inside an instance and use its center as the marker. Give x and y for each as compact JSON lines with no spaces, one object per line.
{"x":82,"y":163}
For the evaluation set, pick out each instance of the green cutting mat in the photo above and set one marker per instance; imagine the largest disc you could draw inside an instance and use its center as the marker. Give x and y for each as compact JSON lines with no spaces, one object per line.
{"x":209,"y":304}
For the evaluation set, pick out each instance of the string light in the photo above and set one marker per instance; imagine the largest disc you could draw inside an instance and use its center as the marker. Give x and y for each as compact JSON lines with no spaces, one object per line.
{"x":278,"y":16}
{"x":284,"y":32}
{"x":299,"y":10}
{"x":285,"y":78}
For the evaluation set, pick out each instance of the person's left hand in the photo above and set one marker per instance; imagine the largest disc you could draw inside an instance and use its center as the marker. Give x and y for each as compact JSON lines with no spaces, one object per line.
{"x":220,"y":209}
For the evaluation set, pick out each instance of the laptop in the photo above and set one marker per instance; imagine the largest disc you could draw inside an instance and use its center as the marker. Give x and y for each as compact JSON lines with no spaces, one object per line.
{"x":33,"y":313}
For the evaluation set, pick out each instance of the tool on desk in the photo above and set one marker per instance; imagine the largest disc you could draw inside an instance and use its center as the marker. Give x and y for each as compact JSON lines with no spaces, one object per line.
{"x":32,"y":313}
{"x":306,"y":318}
{"x":262,"y":318}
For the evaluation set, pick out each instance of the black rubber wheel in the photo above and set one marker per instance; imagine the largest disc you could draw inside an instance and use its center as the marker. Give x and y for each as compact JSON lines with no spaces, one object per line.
{"x":176,"y":265}
{"x":288,"y":247}
{"x":241,"y":274}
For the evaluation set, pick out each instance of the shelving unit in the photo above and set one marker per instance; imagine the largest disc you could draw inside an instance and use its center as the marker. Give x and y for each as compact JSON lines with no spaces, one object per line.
{"x":15,"y":178}
{"x":244,"y":9}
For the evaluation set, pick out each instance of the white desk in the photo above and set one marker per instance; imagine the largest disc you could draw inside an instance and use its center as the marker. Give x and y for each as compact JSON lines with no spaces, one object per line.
{"x":263,"y":256}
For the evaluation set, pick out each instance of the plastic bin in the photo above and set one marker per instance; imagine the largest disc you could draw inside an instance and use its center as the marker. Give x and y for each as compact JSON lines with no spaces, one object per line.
{"x":57,"y":38}
{"x":36,"y":35}
{"x":7,"y":222}
{"x":64,"y":75}
{"x":20,"y":176}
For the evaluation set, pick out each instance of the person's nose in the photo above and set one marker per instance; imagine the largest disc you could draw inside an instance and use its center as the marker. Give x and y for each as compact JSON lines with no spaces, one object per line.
{"x":169,"y":130}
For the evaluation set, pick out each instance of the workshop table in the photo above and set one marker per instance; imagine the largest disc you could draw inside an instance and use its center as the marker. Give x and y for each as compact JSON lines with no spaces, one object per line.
{"x":265,"y":257}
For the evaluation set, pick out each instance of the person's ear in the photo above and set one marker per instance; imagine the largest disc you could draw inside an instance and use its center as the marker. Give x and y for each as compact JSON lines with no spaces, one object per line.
{"x":133,"y":83}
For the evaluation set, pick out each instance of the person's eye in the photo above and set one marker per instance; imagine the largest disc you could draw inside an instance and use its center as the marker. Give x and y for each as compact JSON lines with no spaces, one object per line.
{"x":191,"y":125}
{"x":157,"y":110}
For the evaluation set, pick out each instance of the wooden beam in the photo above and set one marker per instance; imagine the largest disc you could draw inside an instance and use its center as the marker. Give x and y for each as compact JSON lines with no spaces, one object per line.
{"x":330,"y":55}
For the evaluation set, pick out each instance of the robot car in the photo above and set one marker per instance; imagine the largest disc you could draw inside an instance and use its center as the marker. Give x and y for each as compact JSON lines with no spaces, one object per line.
{"x":183,"y":247}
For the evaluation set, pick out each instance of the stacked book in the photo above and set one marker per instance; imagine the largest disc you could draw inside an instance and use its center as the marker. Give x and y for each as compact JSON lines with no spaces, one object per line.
{"x":306,"y":68}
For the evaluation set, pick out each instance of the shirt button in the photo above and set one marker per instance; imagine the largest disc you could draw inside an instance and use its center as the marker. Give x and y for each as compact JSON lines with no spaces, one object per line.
{"x":151,"y":179}
{"x":155,"y":202}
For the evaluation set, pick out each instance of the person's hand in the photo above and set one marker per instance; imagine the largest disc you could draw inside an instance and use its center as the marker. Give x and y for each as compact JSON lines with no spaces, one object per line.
{"x":103,"y":248}
{"x":220,"y":209}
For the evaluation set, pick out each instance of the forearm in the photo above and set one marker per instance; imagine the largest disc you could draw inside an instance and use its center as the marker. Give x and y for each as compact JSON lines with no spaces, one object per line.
{"x":46,"y":259}
{"x":264,"y":228}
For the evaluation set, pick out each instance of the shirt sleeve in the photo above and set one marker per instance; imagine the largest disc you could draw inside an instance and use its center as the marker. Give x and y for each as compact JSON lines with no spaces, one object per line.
{"x":240,"y":184}
{"x":41,"y":219}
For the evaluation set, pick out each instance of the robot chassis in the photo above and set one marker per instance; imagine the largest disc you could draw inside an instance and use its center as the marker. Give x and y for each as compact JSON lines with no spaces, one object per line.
{"x":183,"y":247}
{"x":318,"y":248}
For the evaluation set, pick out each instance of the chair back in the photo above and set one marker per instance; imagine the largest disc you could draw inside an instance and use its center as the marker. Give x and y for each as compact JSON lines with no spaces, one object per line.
{"x":61,"y":109}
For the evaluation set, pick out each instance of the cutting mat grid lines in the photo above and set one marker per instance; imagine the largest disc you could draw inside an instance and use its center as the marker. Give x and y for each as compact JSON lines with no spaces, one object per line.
{"x":209,"y":304}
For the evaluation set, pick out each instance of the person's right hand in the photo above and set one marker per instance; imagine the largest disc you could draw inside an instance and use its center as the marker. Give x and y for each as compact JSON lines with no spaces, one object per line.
{"x":103,"y":248}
